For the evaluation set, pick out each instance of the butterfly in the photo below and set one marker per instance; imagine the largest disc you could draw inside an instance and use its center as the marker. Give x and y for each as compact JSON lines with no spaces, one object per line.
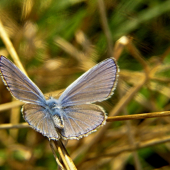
{"x":73,"y":115}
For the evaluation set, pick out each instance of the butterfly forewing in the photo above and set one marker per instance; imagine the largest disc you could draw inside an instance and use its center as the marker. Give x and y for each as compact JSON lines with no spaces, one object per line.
{"x":81,"y":120}
{"x":39,"y":119}
{"x":20,"y":86}
{"x":97,"y":84}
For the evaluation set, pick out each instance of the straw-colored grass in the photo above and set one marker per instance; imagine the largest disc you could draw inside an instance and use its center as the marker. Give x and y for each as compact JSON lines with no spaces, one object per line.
{"x":54,"y":42}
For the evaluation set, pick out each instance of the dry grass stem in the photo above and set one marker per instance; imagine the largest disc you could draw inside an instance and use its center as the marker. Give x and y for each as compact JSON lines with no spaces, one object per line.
{"x":119,"y":46}
{"x":64,"y":155}
{"x":130,"y":149}
{"x":85,"y":62}
{"x":10,"y":105}
{"x":55,"y":156}
{"x":136,"y":54}
{"x":105,"y":26}
{"x":12,"y":126}
{"x":139,"y":116}
{"x":70,"y":49}
{"x":109,"y":119}
{"x":10,"y":48}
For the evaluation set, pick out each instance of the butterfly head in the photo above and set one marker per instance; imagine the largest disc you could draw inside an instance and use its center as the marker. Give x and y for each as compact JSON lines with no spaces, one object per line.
{"x":53,"y":103}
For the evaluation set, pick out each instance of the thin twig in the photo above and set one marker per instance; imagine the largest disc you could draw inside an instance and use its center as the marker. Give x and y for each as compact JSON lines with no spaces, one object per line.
{"x":10,"y":47}
{"x":141,"y":145}
{"x":138,"y":116}
{"x":55,"y":156}
{"x":165,"y":54}
{"x":162,"y":57}
{"x":11,"y":126}
{"x":127,"y":97}
{"x":85,"y":62}
{"x":129,"y":131}
{"x":105,"y":26}
{"x":64,"y":155}
{"x":14,"y":119}
{"x":133,"y":143}
{"x":119,"y":46}
{"x":109,"y":119}
{"x":70,"y":49}
{"x":136,"y":54}
{"x":10,"y":105}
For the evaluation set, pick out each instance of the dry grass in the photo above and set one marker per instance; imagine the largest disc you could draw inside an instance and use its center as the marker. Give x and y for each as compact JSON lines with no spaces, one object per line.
{"x":56,"y":43}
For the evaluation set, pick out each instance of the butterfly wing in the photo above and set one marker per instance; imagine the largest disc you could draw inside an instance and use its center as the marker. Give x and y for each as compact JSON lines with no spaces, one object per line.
{"x":39,"y":119}
{"x":81,"y":120}
{"x":20,"y":86}
{"x":97,"y":84}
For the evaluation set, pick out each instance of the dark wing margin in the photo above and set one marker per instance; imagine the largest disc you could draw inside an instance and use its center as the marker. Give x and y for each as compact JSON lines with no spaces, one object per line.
{"x":20,"y":86}
{"x":81,"y":120}
{"x":39,"y":119}
{"x":97,"y":84}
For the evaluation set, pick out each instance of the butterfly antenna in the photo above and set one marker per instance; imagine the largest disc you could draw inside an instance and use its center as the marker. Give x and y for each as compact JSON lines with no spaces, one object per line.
{"x":47,"y":96}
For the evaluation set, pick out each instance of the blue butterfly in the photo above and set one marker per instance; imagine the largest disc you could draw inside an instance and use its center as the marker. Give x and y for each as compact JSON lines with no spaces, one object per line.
{"x":73,"y":115}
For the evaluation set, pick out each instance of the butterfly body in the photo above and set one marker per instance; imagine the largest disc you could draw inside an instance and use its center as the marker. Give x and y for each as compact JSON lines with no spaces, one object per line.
{"x":55,"y":109}
{"x":73,"y":115}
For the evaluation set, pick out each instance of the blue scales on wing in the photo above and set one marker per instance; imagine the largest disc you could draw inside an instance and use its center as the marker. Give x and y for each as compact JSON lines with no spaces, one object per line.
{"x":82,"y":120}
{"x":20,"y":86}
{"x":97,"y":84}
{"x":39,"y":119}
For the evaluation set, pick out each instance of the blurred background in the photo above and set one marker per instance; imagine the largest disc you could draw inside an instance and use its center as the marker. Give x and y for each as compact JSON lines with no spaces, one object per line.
{"x":56,"y":42}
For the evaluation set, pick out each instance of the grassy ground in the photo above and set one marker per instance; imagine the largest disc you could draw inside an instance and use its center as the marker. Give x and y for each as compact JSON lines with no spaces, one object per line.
{"x":55,"y":42}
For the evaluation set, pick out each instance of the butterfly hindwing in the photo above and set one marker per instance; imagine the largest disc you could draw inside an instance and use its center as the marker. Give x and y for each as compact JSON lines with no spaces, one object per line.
{"x":40,"y":120}
{"x":81,"y":120}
